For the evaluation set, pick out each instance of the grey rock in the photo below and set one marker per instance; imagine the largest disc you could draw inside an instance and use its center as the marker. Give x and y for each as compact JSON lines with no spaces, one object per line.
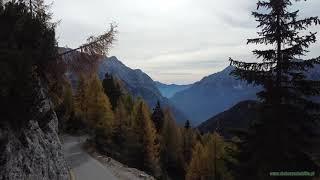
{"x":35,"y":151}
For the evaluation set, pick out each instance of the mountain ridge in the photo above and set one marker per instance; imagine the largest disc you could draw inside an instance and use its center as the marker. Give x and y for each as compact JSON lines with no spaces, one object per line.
{"x":213,"y":94}
{"x":138,"y":84}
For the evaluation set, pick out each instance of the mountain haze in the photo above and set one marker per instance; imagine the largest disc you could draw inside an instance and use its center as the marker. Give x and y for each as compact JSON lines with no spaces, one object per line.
{"x":169,"y":90}
{"x":212,"y":95}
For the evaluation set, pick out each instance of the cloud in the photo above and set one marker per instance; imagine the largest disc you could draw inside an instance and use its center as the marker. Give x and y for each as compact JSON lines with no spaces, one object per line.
{"x":176,"y":41}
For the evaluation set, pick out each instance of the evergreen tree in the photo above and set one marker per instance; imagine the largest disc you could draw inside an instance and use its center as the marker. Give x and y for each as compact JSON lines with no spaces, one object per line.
{"x":27,"y":44}
{"x":288,"y":118}
{"x":157,"y":117}
{"x":112,"y":89}
{"x":187,"y":125}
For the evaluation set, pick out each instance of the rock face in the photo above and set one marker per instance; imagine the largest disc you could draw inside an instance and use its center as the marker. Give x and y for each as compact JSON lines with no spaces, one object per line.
{"x":33,"y":152}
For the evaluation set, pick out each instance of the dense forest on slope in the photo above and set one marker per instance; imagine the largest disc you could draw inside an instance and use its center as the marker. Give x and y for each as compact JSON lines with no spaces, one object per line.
{"x":238,"y":117}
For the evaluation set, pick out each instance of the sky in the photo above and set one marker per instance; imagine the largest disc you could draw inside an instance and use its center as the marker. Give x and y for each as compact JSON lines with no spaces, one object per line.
{"x":173,"y":41}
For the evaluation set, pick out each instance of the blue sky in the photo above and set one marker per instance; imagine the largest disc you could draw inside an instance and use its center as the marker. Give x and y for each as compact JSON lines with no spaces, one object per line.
{"x":173,"y":41}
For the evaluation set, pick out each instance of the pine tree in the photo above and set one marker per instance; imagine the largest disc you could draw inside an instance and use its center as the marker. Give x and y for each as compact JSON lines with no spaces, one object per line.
{"x":287,"y":115}
{"x":157,"y":117}
{"x":187,"y":125}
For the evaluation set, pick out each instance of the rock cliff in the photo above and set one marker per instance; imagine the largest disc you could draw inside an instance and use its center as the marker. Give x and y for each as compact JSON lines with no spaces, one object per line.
{"x":34,"y":151}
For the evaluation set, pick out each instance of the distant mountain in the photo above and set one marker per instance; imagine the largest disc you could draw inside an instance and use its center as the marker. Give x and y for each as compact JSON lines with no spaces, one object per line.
{"x":168,"y":90}
{"x":138,"y":83}
{"x":213,"y":94}
{"x":237,"y":117}
{"x":219,"y":92}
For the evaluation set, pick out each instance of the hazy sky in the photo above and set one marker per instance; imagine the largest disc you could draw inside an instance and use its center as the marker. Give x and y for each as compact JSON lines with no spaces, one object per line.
{"x":173,"y":41}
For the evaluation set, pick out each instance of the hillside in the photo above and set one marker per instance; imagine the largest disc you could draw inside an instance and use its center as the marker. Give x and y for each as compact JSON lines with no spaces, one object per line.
{"x":237,"y":117}
{"x":138,"y":84}
{"x":212,"y":95}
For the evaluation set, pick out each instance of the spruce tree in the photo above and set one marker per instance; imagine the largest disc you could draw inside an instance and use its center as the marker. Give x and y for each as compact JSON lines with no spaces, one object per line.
{"x":284,"y":136}
{"x":157,"y":117}
{"x":112,"y":89}
{"x":187,"y":125}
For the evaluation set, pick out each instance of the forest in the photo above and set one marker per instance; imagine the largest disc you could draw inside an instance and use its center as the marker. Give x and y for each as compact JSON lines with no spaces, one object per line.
{"x":284,"y":137}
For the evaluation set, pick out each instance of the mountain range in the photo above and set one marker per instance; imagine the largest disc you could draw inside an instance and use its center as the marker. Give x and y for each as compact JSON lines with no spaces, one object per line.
{"x":213,"y":94}
{"x":196,"y":102}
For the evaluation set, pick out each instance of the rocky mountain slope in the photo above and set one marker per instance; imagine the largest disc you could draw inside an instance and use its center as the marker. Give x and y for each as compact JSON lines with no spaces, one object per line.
{"x":34,"y":152}
{"x":212,"y":95}
{"x":138,"y":84}
{"x":169,"y":90}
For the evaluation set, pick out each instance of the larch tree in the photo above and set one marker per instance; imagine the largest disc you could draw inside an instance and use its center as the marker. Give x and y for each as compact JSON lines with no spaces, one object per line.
{"x":100,"y":114}
{"x":188,"y":142}
{"x":196,"y":166}
{"x":284,"y":137}
{"x":148,"y":135}
{"x":81,"y":96}
{"x":121,"y":128}
{"x":208,"y":159}
{"x":65,"y":110}
{"x":171,"y":147}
